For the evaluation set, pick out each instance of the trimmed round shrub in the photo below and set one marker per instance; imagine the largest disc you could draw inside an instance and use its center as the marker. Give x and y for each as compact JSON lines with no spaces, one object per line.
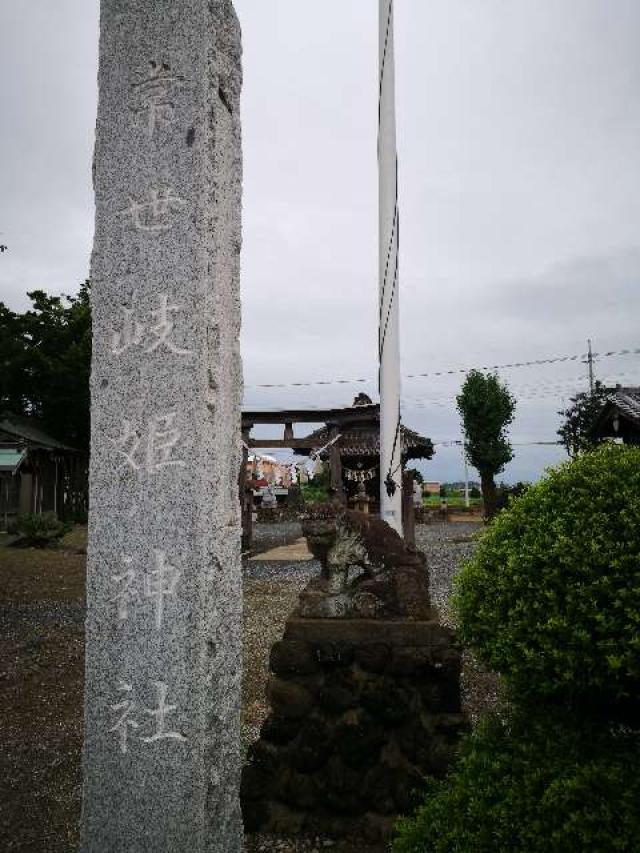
{"x":39,"y":531}
{"x":551,"y":599}
{"x":529,"y":786}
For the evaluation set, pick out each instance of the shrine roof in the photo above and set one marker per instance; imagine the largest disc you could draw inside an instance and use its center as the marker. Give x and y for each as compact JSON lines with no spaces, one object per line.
{"x":22,"y":430}
{"x":627,"y":401}
{"x":623,"y":401}
{"x":365,"y":441}
{"x":11,"y":459}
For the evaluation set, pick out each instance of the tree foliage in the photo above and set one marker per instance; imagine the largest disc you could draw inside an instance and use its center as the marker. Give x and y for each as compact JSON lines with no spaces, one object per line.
{"x":486,"y":409}
{"x":577,"y":431}
{"x":551,"y":599}
{"x":45,"y":355}
{"x":507,"y":492}
{"x":532,"y":784}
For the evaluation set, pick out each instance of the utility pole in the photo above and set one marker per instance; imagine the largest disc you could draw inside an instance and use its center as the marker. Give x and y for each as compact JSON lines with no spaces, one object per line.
{"x":590,"y":363}
{"x":466,"y":475}
{"x":466,"y":471}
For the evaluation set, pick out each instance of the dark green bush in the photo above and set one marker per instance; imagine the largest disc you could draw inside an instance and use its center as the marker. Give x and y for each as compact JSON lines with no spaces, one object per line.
{"x":551,"y":599}
{"x":523,"y":785}
{"x":38,"y":531}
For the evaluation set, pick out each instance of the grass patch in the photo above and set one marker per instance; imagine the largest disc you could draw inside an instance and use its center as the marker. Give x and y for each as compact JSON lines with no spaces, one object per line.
{"x":453,"y":501}
{"x":76,"y":539}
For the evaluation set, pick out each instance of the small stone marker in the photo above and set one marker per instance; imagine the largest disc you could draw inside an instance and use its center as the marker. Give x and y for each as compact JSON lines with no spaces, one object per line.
{"x":163,"y":665}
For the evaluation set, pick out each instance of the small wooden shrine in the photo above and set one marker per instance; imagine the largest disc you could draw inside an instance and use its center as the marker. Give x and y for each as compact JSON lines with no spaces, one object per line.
{"x":354,"y":448}
{"x":38,"y":473}
{"x":349,"y":441}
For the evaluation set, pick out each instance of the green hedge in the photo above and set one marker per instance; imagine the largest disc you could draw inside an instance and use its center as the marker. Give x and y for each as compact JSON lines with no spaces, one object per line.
{"x":525,"y":785}
{"x":39,"y":531}
{"x":551,"y":599}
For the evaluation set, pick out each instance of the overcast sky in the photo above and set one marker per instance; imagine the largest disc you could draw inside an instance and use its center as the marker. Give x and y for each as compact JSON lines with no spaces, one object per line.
{"x":518,"y":136}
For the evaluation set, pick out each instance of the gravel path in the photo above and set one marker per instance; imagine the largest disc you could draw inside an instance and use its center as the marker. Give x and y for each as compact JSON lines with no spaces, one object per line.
{"x":271,"y":592}
{"x":446,"y":547}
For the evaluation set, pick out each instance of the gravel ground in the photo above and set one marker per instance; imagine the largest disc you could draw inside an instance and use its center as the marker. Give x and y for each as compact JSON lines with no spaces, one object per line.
{"x":266,"y":536}
{"x":270,"y":594}
{"x":446,"y":547}
{"x":41,"y":677}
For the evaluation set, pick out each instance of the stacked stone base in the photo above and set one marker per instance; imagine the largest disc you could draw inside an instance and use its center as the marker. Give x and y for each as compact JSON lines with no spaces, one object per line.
{"x":361,"y":711}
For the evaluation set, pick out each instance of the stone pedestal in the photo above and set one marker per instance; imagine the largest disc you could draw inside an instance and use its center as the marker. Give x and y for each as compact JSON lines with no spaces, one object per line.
{"x":361,"y":711}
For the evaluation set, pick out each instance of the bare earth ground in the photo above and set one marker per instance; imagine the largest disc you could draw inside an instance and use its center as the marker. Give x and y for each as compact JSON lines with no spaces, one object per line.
{"x":41,"y":675}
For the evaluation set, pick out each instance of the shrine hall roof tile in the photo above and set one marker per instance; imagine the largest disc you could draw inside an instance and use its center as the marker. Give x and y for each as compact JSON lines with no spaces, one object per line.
{"x":28,"y":431}
{"x":366,"y":442}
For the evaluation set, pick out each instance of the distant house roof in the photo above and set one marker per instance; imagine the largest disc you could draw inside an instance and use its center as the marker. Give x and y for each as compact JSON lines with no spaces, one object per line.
{"x":16,"y":428}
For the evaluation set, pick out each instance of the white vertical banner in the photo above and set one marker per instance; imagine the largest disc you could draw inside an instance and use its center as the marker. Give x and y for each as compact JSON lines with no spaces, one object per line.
{"x":388,"y":330}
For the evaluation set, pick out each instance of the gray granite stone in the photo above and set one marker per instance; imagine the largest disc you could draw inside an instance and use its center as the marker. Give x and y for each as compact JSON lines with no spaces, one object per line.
{"x":163,"y":666}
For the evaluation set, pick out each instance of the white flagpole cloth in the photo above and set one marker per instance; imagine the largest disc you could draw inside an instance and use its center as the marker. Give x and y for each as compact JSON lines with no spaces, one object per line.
{"x":388,"y":330}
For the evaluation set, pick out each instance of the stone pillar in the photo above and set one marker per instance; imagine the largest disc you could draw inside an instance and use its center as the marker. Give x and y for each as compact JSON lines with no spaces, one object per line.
{"x":335,"y":466}
{"x":163,"y":664}
{"x":408,"y":509}
{"x":246,"y":497}
{"x":25,"y":506}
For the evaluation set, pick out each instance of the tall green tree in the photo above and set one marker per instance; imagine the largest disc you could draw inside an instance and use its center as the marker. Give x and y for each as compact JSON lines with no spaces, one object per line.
{"x":486,"y":409}
{"x":45,"y":356}
{"x":577,"y":431}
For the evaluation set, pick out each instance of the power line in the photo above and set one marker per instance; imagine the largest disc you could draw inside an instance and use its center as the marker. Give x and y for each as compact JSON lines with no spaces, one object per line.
{"x":538,"y":362}
{"x":524,"y":392}
{"x":556,"y":391}
{"x":458,"y":443}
